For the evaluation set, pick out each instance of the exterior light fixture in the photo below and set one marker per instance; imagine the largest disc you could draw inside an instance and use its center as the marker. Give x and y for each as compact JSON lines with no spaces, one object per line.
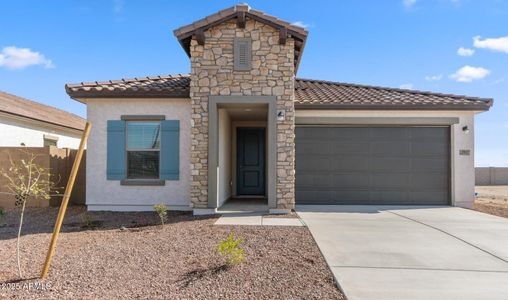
{"x":465,"y":129}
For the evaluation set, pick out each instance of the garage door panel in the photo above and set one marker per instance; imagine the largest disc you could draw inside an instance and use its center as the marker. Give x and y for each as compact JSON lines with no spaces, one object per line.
{"x":393,"y":149}
{"x":313,"y":180}
{"x":372,"y":165}
{"x":351,"y":163}
{"x":430,"y":149}
{"x":388,"y":197}
{"x":347,"y":133}
{"x":312,"y":163}
{"x":348,"y":147}
{"x":389,"y":133}
{"x":386,"y":180}
{"x":427,"y":181}
{"x":430,"y":164}
{"x":350,"y":196}
{"x":428,"y":133}
{"x":428,"y":197}
{"x":314,"y":197}
{"x":318,"y":147}
{"x":351,"y":181}
{"x":390,"y":164}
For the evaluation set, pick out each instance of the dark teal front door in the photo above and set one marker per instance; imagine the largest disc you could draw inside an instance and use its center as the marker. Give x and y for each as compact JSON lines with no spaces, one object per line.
{"x":250,"y":161}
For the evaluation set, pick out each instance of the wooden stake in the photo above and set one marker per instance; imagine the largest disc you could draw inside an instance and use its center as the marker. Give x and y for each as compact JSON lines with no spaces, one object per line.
{"x":65,"y":200}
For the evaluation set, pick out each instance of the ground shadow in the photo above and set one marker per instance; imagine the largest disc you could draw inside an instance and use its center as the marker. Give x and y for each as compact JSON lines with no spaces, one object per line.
{"x":200,"y":273}
{"x":17,"y":280}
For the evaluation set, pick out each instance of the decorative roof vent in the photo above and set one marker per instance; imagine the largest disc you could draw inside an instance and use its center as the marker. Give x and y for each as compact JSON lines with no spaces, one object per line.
{"x":242,"y":54}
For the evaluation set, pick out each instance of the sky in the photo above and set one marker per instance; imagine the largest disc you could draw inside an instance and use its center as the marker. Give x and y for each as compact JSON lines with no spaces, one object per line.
{"x":448,"y":46}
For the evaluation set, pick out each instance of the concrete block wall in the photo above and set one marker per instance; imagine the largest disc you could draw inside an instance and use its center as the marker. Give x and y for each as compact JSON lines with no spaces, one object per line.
{"x":491,"y":176}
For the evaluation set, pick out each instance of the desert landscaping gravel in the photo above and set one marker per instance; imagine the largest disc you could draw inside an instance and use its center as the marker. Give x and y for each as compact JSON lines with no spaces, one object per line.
{"x":127,"y":255}
{"x":492,"y":200}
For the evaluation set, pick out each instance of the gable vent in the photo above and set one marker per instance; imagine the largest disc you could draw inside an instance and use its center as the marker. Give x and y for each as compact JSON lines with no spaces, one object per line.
{"x":242,"y":54}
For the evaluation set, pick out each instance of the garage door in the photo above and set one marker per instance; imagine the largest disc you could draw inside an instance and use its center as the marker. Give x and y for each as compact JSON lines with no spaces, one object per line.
{"x":372,"y":165}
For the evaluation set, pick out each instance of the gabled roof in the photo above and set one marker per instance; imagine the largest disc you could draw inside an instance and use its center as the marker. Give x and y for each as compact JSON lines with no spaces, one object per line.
{"x":309,"y":94}
{"x":21,"y":107}
{"x":241,"y":12}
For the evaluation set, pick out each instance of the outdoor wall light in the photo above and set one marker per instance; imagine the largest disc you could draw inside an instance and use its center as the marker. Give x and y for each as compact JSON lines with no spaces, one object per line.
{"x":465,"y":129}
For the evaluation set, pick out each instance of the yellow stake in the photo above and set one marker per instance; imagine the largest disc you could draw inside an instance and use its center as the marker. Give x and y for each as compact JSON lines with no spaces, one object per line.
{"x":65,"y":200}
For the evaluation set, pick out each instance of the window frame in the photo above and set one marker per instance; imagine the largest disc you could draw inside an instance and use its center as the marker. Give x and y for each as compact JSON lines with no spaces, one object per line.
{"x":141,"y":181}
{"x":49,"y":138}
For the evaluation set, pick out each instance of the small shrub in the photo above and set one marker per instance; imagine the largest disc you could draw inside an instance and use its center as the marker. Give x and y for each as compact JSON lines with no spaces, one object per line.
{"x":162,"y":211}
{"x":231,"y":250}
{"x":88,"y":222}
{"x":2,"y":214}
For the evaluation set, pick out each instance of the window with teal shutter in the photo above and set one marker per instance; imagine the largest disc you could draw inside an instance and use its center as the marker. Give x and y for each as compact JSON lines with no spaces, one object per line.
{"x":116,"y":150}
{"x":143,"y":146}
{"x":170,"y":150}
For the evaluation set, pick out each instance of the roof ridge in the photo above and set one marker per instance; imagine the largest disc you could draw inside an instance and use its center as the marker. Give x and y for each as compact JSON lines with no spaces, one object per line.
{"x":419,"y":92}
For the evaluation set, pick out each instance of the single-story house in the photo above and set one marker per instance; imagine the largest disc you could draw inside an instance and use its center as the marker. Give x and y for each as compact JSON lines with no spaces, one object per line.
{"x":27,"y":123}
{"x":241,"y":125}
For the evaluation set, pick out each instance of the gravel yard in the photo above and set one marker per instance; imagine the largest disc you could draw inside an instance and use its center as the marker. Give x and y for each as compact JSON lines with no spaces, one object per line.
{"x":128,"y":256}
{"x":492,"y":200}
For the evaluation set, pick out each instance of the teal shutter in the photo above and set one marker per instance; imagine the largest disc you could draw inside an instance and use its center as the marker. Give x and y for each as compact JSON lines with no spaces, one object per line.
{"x":116,"y":150}
{"x":170,"y":150}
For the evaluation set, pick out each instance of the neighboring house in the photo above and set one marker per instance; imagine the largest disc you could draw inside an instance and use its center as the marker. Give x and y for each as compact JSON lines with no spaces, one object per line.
{"x":31,"y":124}
{"x":241,"y":125}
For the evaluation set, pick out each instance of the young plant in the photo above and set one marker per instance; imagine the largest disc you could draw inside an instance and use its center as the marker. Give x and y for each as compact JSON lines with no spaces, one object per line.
{"x":27,"y":180}
{"x":162,"y":211}
{"x":2,"y":214}
{"x":231,"y":250}
{"x":88,"y":222}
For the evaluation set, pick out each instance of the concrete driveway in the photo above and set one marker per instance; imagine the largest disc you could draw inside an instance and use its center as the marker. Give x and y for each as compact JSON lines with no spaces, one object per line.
{"x":396,"y":252}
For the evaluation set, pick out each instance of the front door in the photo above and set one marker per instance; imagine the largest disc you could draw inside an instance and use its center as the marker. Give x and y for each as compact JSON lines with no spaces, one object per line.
{"x":250,"y":161}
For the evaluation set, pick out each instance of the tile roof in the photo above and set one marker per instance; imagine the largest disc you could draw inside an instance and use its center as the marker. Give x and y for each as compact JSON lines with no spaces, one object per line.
{"x":185,"y":33}
{"x":326,"y":94}
{"x":21,"y":107}
{"x":315,"y":94}
{"x":172,"y":86}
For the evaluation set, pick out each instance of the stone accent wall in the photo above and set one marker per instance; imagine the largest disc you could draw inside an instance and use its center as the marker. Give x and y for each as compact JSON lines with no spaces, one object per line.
{"x":272,"y":74}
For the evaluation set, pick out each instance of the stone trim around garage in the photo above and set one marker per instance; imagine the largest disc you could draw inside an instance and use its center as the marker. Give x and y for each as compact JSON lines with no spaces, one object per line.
{"x":213,"y":146}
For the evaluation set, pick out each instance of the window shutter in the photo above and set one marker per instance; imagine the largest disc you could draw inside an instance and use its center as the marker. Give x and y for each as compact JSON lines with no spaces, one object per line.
{"x":170,"y":150}
{"x":242,"y":54}
{"x":116,"y":150}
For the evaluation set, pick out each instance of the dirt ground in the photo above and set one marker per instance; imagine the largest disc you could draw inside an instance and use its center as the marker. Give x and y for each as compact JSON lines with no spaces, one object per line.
{"x":104,"y":255}
{"x":492,"y":200}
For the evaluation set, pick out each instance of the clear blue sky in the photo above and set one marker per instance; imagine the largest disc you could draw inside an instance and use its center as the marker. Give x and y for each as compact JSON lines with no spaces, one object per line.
{"x":397,"y":43}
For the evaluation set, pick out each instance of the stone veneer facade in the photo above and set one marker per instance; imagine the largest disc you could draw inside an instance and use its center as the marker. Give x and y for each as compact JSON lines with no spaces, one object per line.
{"x":272,"y":74}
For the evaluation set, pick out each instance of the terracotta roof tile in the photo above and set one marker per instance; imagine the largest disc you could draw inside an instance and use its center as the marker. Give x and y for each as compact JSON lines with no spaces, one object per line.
{"x":14,"y":105}
{"x":308,"y":94}
{"x":319,"y":93}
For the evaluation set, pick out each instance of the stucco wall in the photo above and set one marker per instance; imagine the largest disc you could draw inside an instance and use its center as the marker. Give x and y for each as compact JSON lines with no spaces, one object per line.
{"x":102,"y":194}
{"x":462,"y":166}
{"x":14,"y":131}
{"x":225,"y":157}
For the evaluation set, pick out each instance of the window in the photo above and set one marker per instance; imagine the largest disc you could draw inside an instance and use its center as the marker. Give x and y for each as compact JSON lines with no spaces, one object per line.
{"x":50,"y":140}
{"x":143,"y":149}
